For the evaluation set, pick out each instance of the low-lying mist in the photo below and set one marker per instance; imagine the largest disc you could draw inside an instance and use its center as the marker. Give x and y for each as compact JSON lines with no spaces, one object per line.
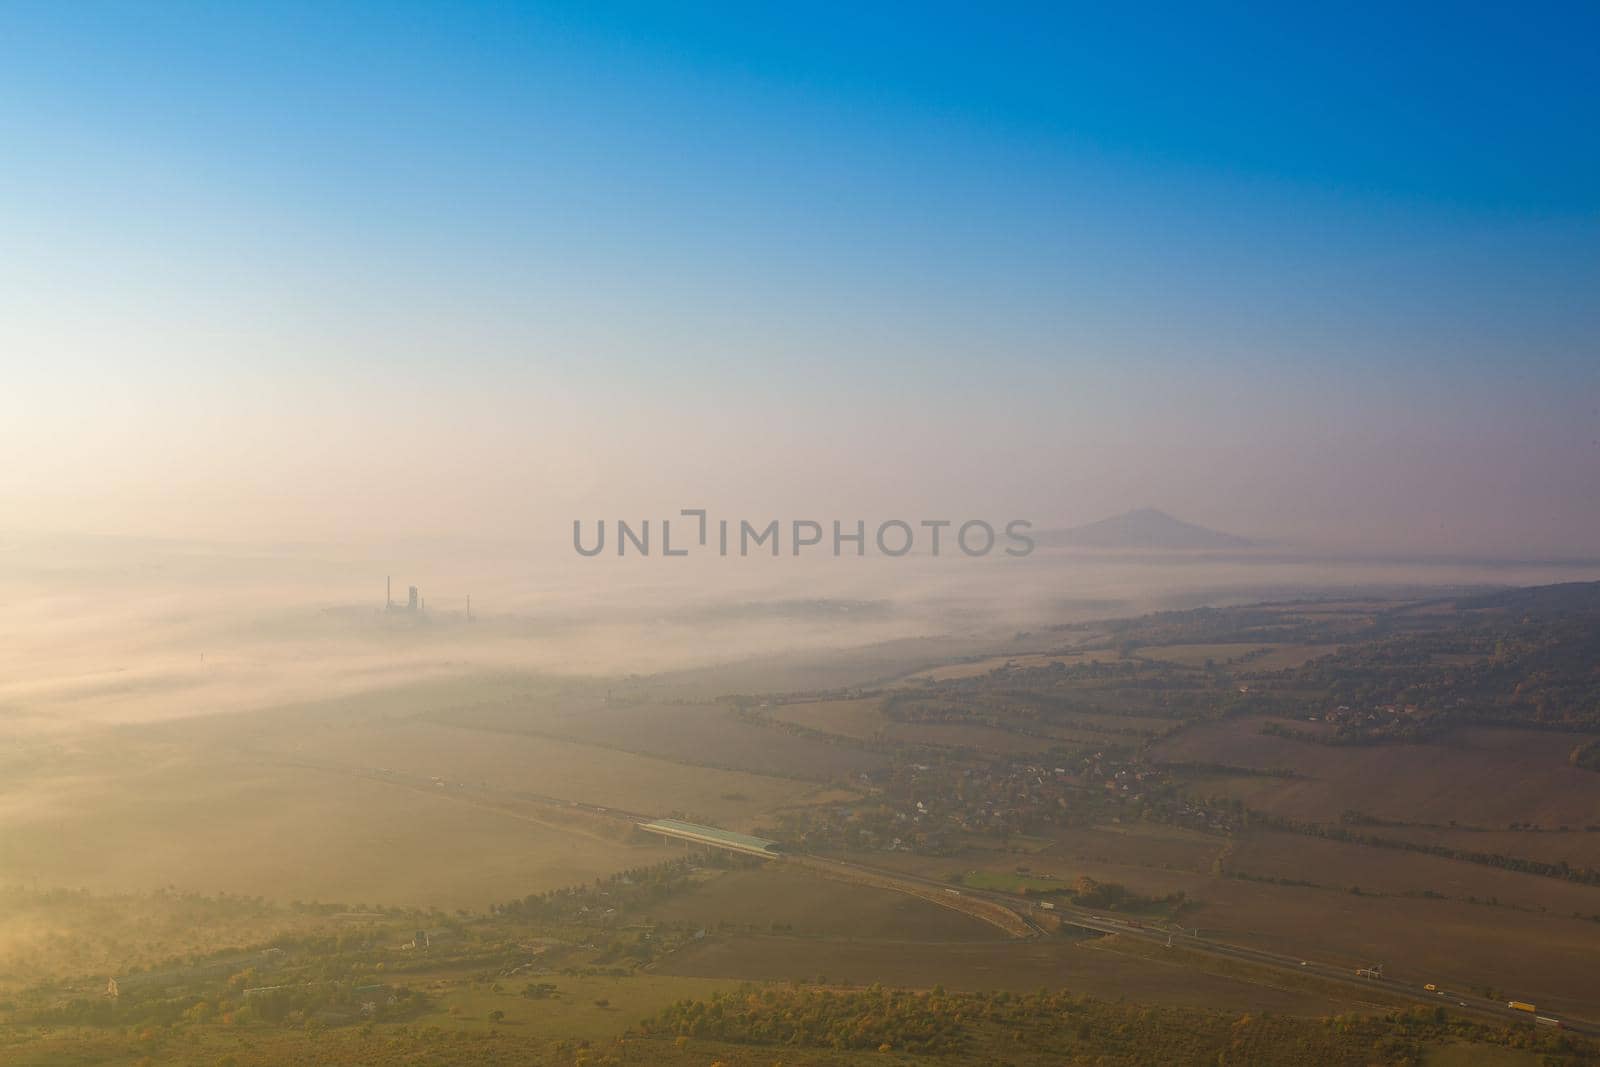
{"x":108,"y":631}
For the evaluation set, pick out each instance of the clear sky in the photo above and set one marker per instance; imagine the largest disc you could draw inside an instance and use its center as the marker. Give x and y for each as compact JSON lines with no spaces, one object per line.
{"x":313,"y":270}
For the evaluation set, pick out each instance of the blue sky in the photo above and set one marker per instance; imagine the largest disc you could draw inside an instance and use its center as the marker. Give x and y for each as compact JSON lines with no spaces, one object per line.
{"x":1094,"y":232}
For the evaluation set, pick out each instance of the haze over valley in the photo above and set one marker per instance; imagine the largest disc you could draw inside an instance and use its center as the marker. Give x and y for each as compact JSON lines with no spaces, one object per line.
{"x":560,"y":535}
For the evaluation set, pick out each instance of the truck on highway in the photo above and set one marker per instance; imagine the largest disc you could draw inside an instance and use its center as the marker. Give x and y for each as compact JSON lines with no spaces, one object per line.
{"x":1431,"y":987}
{"x":1520,"y":1005}
{"x":1545,"y":1020}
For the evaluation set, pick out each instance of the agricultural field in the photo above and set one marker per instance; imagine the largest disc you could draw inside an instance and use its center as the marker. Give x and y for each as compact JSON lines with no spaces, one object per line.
{"x":592,"y":1008}
{"x":1485,"y":777}
{"x":346,"y":803}
{"x":1576,"y":847}
{"x":1090,"y":723}
{"x":970,"y":735}
{"x":1018,"y":967}
{"x":216,"y":824}
{"x":1542,"y":957}
{"x":1287,"y":657}
{"x":1291,"y":858}
{"x":1536,"y":948}
{"x":1021,"y":661}
{"x":702,"y":735}
{"x":1011,"y":871}
{"x":421,"y":749}
{"x":1151,"y":845}
{"x":861,"y":718}
{"x":803,"y":905}
{"x":48,"y":935}
{"x":1182,"y":783}
{"x":1199,"y":655}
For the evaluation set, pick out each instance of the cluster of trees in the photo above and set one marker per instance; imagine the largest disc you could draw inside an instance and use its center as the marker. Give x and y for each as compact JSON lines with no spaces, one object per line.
{"x":1490,"y":665}
{"x":1057,"y":1027}
{"x":355,"y":974}
{"x":1401,"y":730}
{"x":873,"y":1018}
{"x":1086,"y":892}
{"x":630,"y":889}
{"x":290,"y":1004}
{"x":1023,"y":699}
{"x":1212,"y":626}
{"x":1524,"y":658}
{"x":344,"y":1001}
{"x":1212,"y":769}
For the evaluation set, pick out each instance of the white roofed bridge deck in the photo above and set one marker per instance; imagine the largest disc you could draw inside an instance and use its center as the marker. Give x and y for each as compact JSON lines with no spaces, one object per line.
{"x":714,"y":837}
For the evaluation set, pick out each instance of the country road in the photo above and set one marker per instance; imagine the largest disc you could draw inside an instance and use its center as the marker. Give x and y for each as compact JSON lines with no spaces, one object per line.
{"x":1021,"y":918}
{"x":1110,"y":924}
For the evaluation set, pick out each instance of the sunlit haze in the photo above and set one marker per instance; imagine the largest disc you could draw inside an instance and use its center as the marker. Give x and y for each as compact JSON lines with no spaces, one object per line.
{"x":617,"y":535}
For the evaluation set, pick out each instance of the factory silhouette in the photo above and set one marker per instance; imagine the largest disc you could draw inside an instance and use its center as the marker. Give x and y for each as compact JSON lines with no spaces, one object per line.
{"x":415,"y":604}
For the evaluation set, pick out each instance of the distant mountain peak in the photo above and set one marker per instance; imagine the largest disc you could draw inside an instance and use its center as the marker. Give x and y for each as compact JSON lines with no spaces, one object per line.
{"x":1144,"y":528}
{"x":1151,"y":515}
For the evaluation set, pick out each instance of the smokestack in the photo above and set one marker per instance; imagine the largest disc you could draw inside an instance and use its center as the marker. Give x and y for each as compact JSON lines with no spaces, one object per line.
{"x":388,"y":592}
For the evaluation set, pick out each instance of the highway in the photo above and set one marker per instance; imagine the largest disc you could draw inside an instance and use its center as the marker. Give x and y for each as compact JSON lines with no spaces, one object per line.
{"x":1086,"y":919}
{"x":1031,"y":915}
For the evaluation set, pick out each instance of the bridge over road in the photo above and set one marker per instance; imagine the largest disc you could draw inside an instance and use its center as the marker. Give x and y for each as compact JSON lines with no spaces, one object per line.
{"x":713,"y":837}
